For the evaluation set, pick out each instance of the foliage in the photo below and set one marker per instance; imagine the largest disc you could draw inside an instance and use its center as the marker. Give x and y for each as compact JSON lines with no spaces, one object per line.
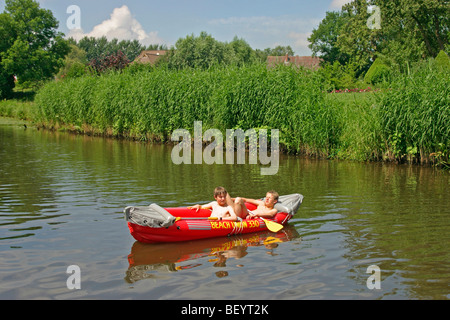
{"x":337,"y":76}
{"x":378,"y":72}
{"x":204,"y":52}
{"x":30,"y":46}
{"x":98,"y":48}
{"x":415,"y":115}
{"x":152,"y":103}
{"x":442,"y":62}
{"x":414,"y":30}
{"x":74,"y":64}
{"x":355,"y":39}
{"x":408,"y":122}
{"x":115,"y":62}
{"x":323,"y":40}
{"x":410,"y":31}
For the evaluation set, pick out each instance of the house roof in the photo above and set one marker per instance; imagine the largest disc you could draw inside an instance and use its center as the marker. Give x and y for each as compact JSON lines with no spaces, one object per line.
{"x":150,"y":56}
{"x":305,"y":61}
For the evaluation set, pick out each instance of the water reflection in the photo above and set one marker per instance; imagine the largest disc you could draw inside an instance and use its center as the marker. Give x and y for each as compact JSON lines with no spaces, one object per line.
{"x":150,"y":260}
{"x":62,"y":196}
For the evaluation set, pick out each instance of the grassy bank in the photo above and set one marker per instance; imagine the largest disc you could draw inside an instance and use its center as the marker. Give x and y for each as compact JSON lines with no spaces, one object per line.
{"x":21,"y":106}
{"x":407,"y":122}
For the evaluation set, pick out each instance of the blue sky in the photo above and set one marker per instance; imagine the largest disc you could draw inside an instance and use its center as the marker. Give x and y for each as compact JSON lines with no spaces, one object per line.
{"x":262,"y":23}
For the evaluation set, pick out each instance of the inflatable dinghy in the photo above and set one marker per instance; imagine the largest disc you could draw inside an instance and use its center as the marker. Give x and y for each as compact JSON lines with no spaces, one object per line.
{"x":154,"y":224}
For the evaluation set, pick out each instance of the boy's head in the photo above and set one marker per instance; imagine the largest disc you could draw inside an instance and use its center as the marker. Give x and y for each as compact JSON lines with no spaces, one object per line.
{"x":271,"y":198}
{"x":274,"y":194}
{"x":220,"y":191}
{"x":220,"y":195}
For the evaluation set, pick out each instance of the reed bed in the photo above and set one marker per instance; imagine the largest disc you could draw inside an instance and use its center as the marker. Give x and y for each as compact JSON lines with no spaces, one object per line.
{"x":407,"y":122}
{"x":150,"y":105}
{"x":415,"y":117}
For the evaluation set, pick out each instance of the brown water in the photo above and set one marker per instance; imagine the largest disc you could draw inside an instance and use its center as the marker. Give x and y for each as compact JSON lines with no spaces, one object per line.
{"x":61,"y":202}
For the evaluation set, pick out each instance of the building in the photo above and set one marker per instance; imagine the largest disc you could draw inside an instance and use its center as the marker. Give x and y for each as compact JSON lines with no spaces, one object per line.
{"x":305,"y":61}
{"x":150,"y":56}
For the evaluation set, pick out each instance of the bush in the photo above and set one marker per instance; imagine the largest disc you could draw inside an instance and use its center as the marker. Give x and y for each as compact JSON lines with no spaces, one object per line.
{"x":378,"y":72}
{"x":116,"y":61}
{"x":442,"y":61}
{"x":336,"y":76}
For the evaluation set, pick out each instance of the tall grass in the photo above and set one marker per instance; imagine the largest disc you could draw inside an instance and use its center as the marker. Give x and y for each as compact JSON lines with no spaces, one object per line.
{"x":151,"y":104}
{"x":407,"y":122}
{"x":415,"y":116}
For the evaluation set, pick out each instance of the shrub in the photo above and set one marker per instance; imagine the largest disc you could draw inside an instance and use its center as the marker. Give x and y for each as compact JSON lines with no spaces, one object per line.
{"x":378,"y":72}
{"x":442,"y":61}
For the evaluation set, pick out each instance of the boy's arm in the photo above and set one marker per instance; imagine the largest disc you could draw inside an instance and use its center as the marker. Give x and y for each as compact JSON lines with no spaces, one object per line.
{"x":252,"y":201}
{"x":269,"y":214}
{"x":199,"y":206}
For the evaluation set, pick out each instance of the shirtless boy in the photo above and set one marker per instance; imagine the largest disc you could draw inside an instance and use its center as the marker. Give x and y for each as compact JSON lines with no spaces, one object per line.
{"x":221,"y":208}
{"x":265,"y":208}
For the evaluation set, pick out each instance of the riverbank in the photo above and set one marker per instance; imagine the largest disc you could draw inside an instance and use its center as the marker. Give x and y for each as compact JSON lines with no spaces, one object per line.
{"x":406,"y":123}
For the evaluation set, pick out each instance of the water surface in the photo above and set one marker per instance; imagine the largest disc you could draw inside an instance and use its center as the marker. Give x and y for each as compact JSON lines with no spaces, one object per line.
{"x":61,"y":202}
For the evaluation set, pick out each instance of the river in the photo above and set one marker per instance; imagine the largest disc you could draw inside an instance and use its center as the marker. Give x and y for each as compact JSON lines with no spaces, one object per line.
{"x":62,"y":198}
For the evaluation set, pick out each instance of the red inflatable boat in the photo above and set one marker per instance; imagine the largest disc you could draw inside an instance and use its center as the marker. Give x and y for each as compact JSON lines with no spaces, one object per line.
{"x":155,"y":224}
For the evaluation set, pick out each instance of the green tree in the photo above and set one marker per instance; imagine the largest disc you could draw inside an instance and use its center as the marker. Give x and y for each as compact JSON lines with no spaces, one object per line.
{"x":356,"y":39}
{"x":416,"y":29}
{"x":99,"y":48}
{"x":242,"y":52}
{"x":31,"y":48}
{"x":75,"y":63}
{"x":201,"y":52}
{"x":278,"y":51}
{"x":323,"y":39}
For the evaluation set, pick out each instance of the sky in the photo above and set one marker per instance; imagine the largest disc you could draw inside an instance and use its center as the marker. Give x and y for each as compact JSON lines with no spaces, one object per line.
{"x":262,"y":23}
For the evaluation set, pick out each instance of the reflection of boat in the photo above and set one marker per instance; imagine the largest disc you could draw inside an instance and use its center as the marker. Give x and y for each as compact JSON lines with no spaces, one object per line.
{"x":149,"y":260}
{"x":155,"y":224}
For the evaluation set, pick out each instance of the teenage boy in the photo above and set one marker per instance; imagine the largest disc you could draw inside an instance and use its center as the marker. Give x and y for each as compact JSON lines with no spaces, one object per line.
{"x":221,"y":208}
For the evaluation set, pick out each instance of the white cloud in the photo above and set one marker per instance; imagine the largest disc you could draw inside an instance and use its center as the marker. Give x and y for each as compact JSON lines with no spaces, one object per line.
{"x":337,"y":4}
{"x":121,"y":25}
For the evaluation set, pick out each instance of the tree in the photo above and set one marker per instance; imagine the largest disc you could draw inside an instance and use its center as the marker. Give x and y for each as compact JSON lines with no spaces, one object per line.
{"x":358,"y":41}
{"x":99,"y":48}
{"x":242,"y":52}
{"x":323,"y":39}
{"x":116,"y":61}
{"x":416,"y":29}
{"x":201,"y":52}
{"x":261,"y":55}
{"x":30,"y":46}
{"x":75,"y":63}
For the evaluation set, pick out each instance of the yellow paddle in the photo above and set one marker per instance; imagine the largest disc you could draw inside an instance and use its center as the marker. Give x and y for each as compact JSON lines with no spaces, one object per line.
{"x":272,"y":225}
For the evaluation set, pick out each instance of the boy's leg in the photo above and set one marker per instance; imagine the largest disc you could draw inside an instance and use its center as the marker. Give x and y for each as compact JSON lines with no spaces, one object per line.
{"x":238,"y":206}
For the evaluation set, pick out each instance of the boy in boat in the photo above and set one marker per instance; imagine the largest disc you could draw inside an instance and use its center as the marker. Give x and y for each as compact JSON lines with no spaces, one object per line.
{"x":222,"y":208}
{"x":265,"y":208}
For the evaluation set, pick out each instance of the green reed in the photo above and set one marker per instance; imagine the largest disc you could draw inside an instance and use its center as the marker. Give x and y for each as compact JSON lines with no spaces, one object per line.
{"x":150,"y":104}
{"x":409,"y":121}
{"x":415,"y":117}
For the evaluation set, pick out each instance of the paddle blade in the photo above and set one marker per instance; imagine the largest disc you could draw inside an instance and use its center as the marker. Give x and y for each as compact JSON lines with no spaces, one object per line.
{"x":273,"y":226}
